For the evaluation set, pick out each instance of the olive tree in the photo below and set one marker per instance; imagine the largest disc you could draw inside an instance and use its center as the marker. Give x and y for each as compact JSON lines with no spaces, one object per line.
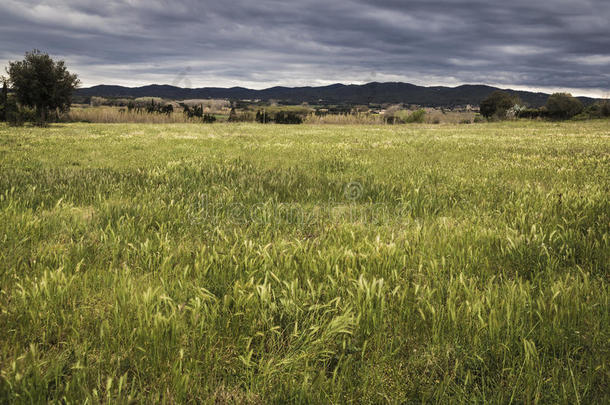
{"x":563,"y":106}
{"x":41,"y":83}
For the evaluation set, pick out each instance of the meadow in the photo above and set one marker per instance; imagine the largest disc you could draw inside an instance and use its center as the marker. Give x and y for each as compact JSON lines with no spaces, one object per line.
{"x":246,"y":263}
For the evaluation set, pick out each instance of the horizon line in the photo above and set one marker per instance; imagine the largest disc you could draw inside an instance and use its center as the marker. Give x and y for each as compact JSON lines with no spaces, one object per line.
{"x":517,"y":88}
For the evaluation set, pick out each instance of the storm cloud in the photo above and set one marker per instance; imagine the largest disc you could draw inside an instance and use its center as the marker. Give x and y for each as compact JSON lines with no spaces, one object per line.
{"x":551,"y":44}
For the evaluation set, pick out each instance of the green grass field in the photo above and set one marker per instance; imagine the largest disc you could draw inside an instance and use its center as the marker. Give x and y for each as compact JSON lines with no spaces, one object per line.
{"x":305,"y":264}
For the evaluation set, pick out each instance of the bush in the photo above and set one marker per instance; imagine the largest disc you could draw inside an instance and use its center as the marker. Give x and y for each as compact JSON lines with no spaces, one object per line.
{"x":263,"y":117}
{"x":479,"y":118}
{"x":209,"y":119}
{"x":192,"y":112}
{"x":97,"y":101}
{"x":416,"y":117}
{"x":392,"y":114}
{"x":14,"y":115}
{"x":15,"y":119}
{"x":605,"y":108}
{"x":600,"y":109}
{"x":232,"y":115}
{"x":392,"y":120}
{"x":532,"y":113}
{"x":563,"y":106}
{"x":498,"y":103}
{"x":287,"y":118}
{"x":514,"y":111}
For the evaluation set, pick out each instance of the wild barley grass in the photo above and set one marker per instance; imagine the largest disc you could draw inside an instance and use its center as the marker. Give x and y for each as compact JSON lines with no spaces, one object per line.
{"x":156,"y":263}
{"x":115,"y":115}
{"x":122,"y":115}
{"x":351,"y":119}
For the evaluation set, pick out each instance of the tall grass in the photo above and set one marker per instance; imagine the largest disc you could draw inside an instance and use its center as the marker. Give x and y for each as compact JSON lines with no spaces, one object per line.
{"x":431,"y":264}
{"x":115,"y":115}
{"x":432,"y":116}
{"x":435,"y":116}
{"x":349,"y":119}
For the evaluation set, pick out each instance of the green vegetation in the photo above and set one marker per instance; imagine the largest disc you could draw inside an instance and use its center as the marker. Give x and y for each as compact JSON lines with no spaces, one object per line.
{"x":246,"y":263}
{"x":498,"y":105}
{"x":559,"y":106}
{"x":416,"y":117}
{"x":3,"y":101}
{"x":9,"y":110}
{"x":396,"y":115}
{"x":42,"y":84}
{"x":598,"y":110}
{"x":563,"y":106}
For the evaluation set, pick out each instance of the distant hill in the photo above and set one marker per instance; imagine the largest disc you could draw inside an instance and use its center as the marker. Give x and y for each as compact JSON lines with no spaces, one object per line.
{"x":375,"y":93}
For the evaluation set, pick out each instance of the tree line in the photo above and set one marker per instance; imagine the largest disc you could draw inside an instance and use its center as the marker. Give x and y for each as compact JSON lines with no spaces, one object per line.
{"x":501,"y":105}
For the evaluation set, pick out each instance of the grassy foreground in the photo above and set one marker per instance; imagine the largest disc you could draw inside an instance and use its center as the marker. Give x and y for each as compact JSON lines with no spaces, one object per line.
{"x":308,"y":264}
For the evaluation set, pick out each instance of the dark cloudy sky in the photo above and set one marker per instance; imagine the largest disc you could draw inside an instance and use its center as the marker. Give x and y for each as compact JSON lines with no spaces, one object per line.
{"x":541,"y":44}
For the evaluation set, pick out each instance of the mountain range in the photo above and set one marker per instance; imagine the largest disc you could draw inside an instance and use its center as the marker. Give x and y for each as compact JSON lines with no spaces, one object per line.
{"x":371,"y":93}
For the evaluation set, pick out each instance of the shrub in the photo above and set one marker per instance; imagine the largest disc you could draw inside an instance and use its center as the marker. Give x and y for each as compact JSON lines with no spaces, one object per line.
{"x":514,"y":111}
{"x":166,"y":109}
{"x":392,"y":114}
{"x":479,"y":118}
{"x":532,"y":113}
{"x":209,"y":119}
{"x":14,"y":115}
{"x":195,"y":111}
{"x":600,"y":109}
{"x":97,"y":101}
{"x":583,"y":116}
{"x":498,"y":103}
{"x":233,"y":115}
{"x":416,"y":117}
{"x":563,"y":106}
{"x":262,"y":117}
{"x":15,"y":119}
{"x":392,"y":120}
{"x":160,"y":108}
{"x":605,"y":108}
{"x":287,"y":118}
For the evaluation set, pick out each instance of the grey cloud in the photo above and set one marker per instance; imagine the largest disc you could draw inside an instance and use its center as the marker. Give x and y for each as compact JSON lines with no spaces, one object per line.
{"x":555,"y":43}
